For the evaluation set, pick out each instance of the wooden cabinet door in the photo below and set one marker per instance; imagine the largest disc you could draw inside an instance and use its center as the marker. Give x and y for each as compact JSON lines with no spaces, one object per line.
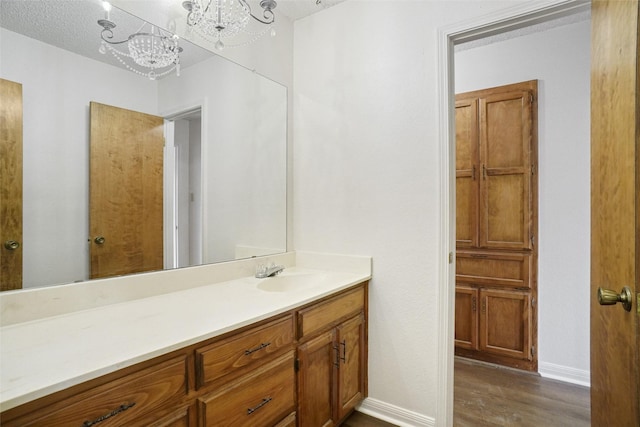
{"x":505,"y":323}
{"x":505,"y":161}
{"x":351,"y":346}
{"x":466,"y":333}
{"x":466,"y":172}
{"x":317,"y":381}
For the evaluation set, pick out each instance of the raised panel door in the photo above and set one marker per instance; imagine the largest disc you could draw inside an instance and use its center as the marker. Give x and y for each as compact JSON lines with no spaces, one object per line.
{"x":466,"y":172}
{"x":317,"y":381}
{"x":505,"y":161}
{"x":505,"y":323}
{"x":466,"y":329}
{"x":350,"y":347}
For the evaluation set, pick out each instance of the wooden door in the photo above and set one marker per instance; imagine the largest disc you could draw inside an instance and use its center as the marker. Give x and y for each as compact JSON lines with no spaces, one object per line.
{"x":466,"y":172}
{"x":317,"y":381}
{"x":126,"y":200}
{"x":10,"y":185}
{"x":350,"y":364}
{"x":506,"y":138}
{"x":466,"y":333}
{"x":615,"y":215}
{"x":505,"y":323}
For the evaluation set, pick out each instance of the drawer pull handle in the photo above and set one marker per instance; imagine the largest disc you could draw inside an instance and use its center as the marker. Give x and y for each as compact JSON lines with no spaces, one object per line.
{"x":344,"y":351}
{"x":479,"y":256}
{"x":258,"y":348}
{"x":259,"y":405}
{"x":113,"y":413}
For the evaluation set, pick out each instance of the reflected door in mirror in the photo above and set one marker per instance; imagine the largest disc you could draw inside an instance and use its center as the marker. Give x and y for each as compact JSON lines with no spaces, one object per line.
{"x":10,"y":185}
{"x":126,"y":184}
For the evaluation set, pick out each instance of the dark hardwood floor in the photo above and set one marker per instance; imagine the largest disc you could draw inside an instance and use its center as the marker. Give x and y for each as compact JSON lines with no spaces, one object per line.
{"x":489,"y":395}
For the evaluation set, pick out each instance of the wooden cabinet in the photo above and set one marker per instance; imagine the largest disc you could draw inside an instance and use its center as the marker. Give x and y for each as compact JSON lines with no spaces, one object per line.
{"x":466,"y":330}
{"x":495,"y":161}
{"x":332,"y":359}
{"x":260,"y":399}
{"x":310,"y":360}
{"x":242,"y":352}
{"x":159,"y":388}
{"x":505,"y":323}
{"x":496,"y":224}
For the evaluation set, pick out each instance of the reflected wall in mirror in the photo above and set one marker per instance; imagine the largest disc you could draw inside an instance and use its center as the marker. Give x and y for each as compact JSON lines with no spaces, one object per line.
{"x":225,"y":150}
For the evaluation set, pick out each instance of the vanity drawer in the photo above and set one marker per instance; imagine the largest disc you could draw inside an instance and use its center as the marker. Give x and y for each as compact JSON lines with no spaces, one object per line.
{"x":322,"y":315}
{"x":116,"y":403}
{"x":241,"y":351}
{"x":499,"y":269}
{"x":259,"y":399}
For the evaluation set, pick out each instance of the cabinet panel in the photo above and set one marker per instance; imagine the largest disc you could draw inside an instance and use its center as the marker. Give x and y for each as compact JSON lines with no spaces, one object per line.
{"x":505,"y":159}
{"x":505,"y":323}
{"x":243,"y":350}
{"x":494,"y":268}
{"x":317,"y":381}
{"x":259,"y":399}
{"x":323,"y":315}
{"x":118,"y":402}
{"x":466,"y":172}
{"x":350,"y":346}
{"x":466,"y":331}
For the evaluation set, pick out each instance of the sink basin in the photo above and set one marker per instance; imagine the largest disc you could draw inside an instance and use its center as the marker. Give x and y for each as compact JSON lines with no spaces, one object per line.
{"x":289,"y":283}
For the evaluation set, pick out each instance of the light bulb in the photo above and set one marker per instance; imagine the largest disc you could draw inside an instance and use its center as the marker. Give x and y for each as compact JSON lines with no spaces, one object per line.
{"x":178,"y":70}
{"x":107,"y":8}
{"x":273,"y":32}
{"x":102,"y":49}
{"x":219,"y":45}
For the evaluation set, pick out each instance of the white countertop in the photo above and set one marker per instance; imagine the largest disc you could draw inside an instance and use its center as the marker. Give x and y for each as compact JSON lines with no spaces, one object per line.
{"x":42,"y":356}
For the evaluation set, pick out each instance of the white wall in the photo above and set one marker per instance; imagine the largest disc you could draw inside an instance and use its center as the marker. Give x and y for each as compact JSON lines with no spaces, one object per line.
{"x":243,"y":153}
{"x":559,"y":59}
{"x":57,"y":88}
{"x":366,"y":174}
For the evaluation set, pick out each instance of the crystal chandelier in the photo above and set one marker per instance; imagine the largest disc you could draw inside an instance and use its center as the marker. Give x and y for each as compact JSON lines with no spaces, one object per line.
{"x":151,"y":53}
{"x":224,"y":19}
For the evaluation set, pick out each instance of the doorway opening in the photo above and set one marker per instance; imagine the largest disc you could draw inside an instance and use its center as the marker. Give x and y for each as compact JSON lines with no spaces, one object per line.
{"x":516,"y":18}
{"x":183,"y":189}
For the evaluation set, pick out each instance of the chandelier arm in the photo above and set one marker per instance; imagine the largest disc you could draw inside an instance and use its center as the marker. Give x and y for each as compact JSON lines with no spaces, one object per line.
{"x":107,"y":36}
{"x":268,"y":16}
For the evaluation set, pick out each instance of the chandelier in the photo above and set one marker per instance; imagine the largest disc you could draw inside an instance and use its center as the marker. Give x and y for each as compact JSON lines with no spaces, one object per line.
{"x":224,"y":19}
{"x":149,"y":52}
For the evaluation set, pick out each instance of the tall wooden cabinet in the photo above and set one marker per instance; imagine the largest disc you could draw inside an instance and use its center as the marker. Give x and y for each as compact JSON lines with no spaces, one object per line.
{"x":496,"y":224}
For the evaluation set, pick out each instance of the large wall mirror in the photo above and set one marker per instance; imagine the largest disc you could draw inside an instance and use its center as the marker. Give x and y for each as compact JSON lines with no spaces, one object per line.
{"x":224,"y":159}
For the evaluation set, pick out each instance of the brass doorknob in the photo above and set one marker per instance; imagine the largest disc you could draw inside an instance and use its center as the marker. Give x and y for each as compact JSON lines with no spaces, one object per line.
{"x":11,"y":245}
{"x":99,"y":240}
{"x":609,"y":297}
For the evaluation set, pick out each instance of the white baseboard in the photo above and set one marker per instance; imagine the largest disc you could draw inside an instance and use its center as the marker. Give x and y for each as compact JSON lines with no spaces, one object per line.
{"x":394,"y":414}
{"x":565,"y":373}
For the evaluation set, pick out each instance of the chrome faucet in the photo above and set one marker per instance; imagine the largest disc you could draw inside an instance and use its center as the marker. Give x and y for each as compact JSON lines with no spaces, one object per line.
{"x":263,"y":271}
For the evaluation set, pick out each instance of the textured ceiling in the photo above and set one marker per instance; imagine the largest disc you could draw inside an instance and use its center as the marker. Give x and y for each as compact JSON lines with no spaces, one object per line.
{"x":72,"y":24}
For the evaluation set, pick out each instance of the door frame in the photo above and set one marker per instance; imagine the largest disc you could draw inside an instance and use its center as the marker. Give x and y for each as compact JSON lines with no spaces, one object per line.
{"x":520,"y":16}
{"x":171,"y":200}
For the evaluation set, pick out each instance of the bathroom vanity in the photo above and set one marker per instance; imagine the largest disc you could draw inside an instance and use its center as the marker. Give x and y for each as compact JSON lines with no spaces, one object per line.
{"x":280,"y":351}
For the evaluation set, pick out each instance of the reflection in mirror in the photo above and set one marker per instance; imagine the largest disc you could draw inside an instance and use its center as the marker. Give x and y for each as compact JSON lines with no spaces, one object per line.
{"x":225,"y":142}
